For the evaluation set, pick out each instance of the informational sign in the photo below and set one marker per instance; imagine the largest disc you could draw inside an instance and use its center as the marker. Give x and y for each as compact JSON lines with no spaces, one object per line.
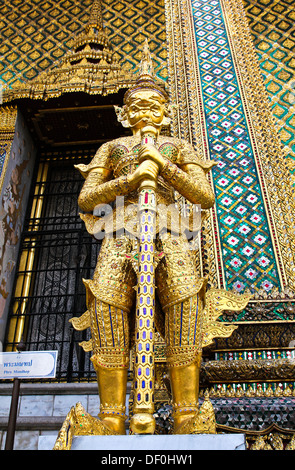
{"x":28,"y":365}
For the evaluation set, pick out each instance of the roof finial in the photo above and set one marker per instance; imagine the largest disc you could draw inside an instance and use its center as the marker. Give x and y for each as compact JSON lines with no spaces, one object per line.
{"x":94,"y":37}
{"x":95,"y":18}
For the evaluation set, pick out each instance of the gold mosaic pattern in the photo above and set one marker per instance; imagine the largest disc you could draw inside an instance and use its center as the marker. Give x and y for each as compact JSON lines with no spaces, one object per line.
{"x":273,"y":32}
{"x":128,"y":24}
{"x":188,"y":120}
{"x":35,"y":34}
{"x":263,"y":134}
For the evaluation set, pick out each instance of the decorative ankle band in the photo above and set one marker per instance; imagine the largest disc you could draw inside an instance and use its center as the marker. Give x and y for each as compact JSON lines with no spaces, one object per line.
{"x":180,"y":409}
{"x":115,"y":411}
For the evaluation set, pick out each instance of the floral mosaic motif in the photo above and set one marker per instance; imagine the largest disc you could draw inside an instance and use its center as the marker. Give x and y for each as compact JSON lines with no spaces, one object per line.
{"x":247,"y":250}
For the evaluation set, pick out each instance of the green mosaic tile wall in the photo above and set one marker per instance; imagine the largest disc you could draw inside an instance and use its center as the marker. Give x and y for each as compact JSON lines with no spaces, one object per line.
{"x":247,"y":250}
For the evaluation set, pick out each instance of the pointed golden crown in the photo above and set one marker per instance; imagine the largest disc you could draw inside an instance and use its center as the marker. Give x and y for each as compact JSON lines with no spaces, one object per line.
{"x":146,"y":78}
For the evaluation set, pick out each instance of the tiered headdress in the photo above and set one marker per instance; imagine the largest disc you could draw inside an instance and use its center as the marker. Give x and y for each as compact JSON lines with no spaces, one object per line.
{"x":146,"y":76}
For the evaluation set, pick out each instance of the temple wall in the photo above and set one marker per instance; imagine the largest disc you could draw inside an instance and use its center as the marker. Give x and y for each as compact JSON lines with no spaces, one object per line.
{"x":42,"y":409}
{"x":224,"y":109}
{"x":19,"y":166}
{"x":272,"y":28}
{"x":230,"y":73}
{"x":34,"y":35}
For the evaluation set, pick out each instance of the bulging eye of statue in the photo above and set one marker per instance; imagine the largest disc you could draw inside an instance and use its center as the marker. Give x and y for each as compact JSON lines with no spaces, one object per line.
{"x":157,"y":112}
{"x":133,"y":110}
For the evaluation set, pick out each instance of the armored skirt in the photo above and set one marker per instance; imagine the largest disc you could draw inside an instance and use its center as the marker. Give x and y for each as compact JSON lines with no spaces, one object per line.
{"x":111,"y":301}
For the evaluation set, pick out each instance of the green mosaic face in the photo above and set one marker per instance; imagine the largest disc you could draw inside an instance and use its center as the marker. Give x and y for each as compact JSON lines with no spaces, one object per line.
{"x":246,"y":245}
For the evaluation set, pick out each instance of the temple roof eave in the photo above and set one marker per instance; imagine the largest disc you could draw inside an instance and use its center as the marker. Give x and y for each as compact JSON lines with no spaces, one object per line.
{"x":91,"y":82}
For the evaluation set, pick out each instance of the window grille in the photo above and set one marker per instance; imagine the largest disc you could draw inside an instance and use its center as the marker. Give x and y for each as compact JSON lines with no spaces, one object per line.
{"x":56,"y":253}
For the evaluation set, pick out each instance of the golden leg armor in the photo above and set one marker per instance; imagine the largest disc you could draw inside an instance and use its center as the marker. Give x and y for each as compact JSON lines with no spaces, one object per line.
{"x":112,"y":386}
{"x":110,"y":296}
{"x":183,"y":328}
{"x":185,"y":390}
{"x":110,"y":334}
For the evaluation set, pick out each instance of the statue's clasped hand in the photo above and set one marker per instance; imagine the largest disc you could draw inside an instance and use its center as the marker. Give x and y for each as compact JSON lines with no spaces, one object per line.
{"x":146,"y":170}
{"x":149,"y":152}
{"x":151,"y":163}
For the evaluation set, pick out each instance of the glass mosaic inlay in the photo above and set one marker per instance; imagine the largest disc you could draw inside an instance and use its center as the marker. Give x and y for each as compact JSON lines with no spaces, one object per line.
{"x":248,"y":255}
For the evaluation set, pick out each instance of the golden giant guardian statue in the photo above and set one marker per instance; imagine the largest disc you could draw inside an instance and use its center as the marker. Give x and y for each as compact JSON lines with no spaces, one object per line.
{"x":146,"y":277}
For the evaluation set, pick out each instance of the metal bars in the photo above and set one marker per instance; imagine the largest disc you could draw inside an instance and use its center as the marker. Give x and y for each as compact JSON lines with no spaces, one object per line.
{"x":56,"y":253}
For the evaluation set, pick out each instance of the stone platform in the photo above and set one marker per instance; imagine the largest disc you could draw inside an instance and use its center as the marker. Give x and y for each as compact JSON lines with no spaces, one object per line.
{"x":152,"y":442}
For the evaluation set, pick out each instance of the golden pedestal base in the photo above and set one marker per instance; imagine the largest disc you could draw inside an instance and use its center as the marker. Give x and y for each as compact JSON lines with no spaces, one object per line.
{"x":80,"y":423}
